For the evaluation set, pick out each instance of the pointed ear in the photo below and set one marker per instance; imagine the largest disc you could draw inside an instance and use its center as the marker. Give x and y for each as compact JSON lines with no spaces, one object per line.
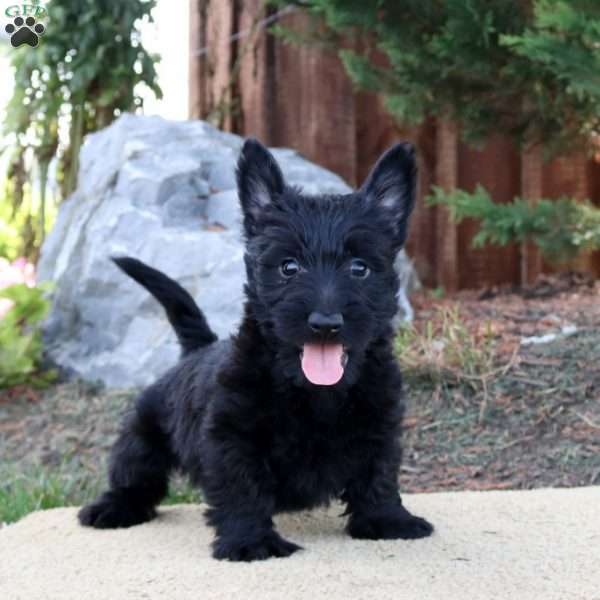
{"x":392,"y":185}
{"x":259,"y":180}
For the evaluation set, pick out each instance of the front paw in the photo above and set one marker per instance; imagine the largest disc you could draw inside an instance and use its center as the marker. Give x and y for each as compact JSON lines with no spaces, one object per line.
{"x":270,"y":545}
{"x":112,"y":510}
{"x":389,"y":526}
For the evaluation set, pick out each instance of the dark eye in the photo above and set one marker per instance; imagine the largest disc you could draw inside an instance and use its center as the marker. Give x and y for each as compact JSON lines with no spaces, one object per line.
{"x":359,"y":269}
{"x":289,"y":267}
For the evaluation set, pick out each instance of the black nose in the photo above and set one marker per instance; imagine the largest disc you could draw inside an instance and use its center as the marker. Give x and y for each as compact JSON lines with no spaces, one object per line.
{"x":321,"y":323}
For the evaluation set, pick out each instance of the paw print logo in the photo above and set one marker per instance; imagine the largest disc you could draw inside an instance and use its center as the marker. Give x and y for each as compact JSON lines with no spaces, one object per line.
{"x":24,"y":31}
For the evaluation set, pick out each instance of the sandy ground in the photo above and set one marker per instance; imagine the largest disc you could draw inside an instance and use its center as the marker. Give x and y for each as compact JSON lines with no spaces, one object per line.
{"x":541,"y":544}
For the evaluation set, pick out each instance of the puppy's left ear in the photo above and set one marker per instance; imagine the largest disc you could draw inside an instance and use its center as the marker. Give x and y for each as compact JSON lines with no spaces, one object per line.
{"x":260,"y":182}
{"x":392,"y":185}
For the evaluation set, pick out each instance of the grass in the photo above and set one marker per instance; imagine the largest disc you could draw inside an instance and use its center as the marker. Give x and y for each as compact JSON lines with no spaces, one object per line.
{"x":23,"y":493}
{"x":444,"y":349}
{"x":486,"y":413}
{"x":443,"y":352}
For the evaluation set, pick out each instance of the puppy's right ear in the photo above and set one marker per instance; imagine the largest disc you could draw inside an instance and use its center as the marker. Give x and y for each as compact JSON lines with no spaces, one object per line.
{"x":260,"y":182}
{"x":391,"y":185}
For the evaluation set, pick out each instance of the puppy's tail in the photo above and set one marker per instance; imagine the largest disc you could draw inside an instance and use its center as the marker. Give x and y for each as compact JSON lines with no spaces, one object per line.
{"x":184,"y":315}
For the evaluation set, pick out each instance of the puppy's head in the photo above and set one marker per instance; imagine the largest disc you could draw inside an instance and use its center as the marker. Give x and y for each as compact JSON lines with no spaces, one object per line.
{"x":321,"y":278}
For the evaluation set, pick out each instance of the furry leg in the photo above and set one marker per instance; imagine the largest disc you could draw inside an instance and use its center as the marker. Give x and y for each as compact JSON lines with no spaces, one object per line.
{"x":139,"y":471}
{"x":240,"y":493}
{"x":374,"y":505}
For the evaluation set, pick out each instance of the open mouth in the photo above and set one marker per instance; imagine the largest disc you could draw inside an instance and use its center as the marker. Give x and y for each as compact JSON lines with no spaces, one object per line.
{"x":323,"y":363}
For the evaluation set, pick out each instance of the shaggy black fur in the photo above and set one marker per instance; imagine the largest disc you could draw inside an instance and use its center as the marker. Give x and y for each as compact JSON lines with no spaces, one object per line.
{"x":239,"y":416}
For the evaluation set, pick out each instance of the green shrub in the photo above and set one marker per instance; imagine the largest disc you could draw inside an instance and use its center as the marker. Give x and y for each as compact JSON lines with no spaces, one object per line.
{"x":37,"y":489}
{"x":26,"y":489}
{"x":20,"y":337}
{"x":561,"y":228}
{"x":528,"y":69}
{"x":20,"y":224}
{"x":90,"y":67}
{"x":10,"y":242}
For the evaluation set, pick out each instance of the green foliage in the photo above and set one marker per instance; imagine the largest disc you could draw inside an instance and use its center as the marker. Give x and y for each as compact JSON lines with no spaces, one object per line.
{"x":84,"y":72}
{"x":20,"y":226}
{"x":36,"y":489}
{"x":20,"y":337}
{"x":30,"y":489}
{"x":437,"y":293}
{"x":560,"y":228}
{"x":10,"y":239}
{"x":526,"y":69}
{"x":181,"y":491}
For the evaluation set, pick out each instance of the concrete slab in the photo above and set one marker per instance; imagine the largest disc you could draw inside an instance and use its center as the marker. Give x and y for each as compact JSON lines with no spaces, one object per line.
{"x":538,"y":545}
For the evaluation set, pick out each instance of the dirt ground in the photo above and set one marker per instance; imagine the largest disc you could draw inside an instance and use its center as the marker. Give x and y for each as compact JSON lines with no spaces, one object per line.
{"x":537,"y":423}
{"x":534,"y":424}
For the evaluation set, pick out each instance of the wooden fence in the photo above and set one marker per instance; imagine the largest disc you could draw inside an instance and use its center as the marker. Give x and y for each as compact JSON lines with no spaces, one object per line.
{"x":255,"y":84}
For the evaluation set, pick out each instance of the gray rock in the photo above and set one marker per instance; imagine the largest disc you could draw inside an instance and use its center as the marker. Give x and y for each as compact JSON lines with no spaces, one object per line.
{"x":223,"y":208}
{"x":163,"y":192}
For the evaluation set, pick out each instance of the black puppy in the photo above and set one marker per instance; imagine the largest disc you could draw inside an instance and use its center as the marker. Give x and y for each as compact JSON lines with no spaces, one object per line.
{"x":303,"y":405}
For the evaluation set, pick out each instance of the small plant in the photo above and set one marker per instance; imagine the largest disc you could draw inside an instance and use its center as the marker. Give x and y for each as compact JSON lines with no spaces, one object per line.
{"x":32,"y":489}
{"x":21,"y":234}
{"x":560,"y":228}
{"x":444,"y":351}
{"x":443,"y":348}
{"x":10,"y":240}
{"x":36,"y":489}
{"x":22,"y":307}
{"x":437,"y":293}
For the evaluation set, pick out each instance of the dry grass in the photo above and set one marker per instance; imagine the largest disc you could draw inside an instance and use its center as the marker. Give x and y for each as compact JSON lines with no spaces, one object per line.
{"x":443,"y":350}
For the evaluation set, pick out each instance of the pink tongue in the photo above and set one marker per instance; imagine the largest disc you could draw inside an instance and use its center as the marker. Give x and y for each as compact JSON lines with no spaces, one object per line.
{"x":322,"y":363}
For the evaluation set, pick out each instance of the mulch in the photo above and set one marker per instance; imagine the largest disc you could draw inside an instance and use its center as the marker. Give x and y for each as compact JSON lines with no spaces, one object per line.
{"x":541,"y":423}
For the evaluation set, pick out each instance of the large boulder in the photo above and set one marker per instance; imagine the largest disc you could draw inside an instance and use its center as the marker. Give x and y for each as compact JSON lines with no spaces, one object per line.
{"x":163,"y":192}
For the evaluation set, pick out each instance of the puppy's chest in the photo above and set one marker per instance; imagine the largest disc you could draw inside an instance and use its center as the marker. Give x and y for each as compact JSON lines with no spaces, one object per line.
{"x":312,"y":462}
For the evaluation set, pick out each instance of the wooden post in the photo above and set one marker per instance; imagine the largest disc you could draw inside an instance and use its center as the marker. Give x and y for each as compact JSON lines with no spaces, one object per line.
{"x":212,"y":56}
{"x":570,"y":178}
{"x":196,"y":60}
{"x":532,"y":191}
{"x":581,"y":191}
{"x":446,"y":177}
